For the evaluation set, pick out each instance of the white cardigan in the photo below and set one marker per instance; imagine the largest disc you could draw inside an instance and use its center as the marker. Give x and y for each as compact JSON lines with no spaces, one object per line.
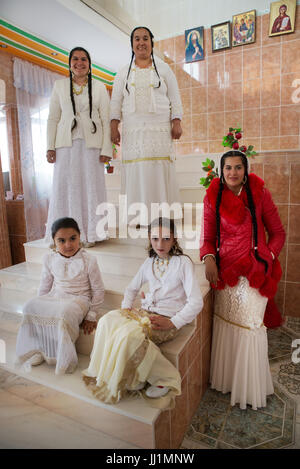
{"x":165,"y":100}
{"x":176,"y":295}
{"x":61,"y":118}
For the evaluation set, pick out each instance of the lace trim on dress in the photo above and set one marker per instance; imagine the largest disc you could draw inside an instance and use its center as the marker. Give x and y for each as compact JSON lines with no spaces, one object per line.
{"x":128,"y":379}
{"x":51,"y":321}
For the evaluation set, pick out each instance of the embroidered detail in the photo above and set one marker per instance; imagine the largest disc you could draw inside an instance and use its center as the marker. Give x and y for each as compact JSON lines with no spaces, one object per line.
{"x":151,"y":158}
{"x":143,"y":320}
{"x":235,"y":324}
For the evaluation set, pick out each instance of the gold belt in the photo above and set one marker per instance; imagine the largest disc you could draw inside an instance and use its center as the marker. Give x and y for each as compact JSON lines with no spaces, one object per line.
{"x":150,"y":158}
{"x":235,"y":324}
{"x":133,"y":314}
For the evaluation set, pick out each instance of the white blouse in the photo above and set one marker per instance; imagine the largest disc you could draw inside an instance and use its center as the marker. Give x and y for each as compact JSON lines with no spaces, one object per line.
{"x":78,"y":276}
{"x":143,"y":85}
{"x":80,"y":103}
{"x":176,"y":294}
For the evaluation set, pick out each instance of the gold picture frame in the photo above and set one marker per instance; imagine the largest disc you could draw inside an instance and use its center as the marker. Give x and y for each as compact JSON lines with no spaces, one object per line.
{"x":282,"y":17}
{"x":243,"y":28}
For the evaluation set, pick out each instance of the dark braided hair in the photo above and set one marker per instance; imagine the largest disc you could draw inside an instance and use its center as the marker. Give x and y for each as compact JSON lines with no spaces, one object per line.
{"x":250,"y":203}
{"x":132,"y":54}
{"x":64,"y":222}
{"x":89,"y":87}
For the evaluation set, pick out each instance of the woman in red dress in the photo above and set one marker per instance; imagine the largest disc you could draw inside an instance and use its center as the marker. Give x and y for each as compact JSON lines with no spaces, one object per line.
{"x":243,"y":268}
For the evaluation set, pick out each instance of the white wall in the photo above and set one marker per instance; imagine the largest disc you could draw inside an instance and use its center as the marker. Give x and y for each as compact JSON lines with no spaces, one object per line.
{"x":167,"y":18}
{"x":54,"y":21}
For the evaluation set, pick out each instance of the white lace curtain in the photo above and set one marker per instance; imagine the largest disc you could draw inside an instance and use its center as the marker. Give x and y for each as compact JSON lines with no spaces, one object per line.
{"x":33,"y":89}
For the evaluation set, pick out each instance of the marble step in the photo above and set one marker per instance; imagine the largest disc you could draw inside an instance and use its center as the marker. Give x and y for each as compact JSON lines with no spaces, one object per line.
{"x":184,"y":164}
{"x":131,"y":420}
{"x":188,"y":194}
{"x":184,"y":178}
{"x":113,"y":258}
{"x":188,"y":223}
{"x":26,"y":277}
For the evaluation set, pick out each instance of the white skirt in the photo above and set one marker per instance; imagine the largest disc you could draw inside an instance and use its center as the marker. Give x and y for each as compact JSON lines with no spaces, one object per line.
{"x":78,"y":188}
{"x":50,"y":327}
{"x":148,"y":172}
{"x":239,"y":359}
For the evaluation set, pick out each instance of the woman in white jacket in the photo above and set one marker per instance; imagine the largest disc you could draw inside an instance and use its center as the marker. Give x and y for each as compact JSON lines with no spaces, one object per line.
{"x":78,"y":142}
{"x":146,"y":99}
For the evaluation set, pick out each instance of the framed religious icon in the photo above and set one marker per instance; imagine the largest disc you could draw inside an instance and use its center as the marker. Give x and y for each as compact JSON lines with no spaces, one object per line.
{"x":282,"y":17}
{"x":194,"y":49}
{"x":243,"y":28}
{"x":220,"y":36}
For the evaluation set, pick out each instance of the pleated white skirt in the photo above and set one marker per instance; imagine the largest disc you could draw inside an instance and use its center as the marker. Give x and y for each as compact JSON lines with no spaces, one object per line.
{"x":78,"y":188}
{"x":239,"y":360}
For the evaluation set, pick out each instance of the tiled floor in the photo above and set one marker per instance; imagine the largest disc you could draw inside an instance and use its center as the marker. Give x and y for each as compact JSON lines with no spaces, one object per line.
{"x":218,"y":425}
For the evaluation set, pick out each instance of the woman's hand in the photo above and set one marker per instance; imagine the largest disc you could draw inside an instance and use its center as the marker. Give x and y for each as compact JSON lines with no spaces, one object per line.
{"x":51,"y":156}
{"x":114,"y":132}
{"x":88,"y":326}
{"x":211,"y":270}
{"x":176,"y":130}
{"x":104,"y":159}
{"x":161,"y":322}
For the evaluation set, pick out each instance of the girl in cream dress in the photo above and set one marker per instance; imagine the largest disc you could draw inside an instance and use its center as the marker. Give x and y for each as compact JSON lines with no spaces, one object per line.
{"x":125,"y":355}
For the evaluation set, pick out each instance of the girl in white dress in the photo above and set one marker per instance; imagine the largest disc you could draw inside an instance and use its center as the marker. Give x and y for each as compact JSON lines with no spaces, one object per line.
{"x":70,"y":294}
{"x":124,"y":355}
{"x":78,"y":143}
{"x":146,"y":99}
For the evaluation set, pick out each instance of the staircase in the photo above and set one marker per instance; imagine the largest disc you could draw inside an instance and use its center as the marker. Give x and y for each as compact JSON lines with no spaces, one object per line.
{"x":131,"y":420}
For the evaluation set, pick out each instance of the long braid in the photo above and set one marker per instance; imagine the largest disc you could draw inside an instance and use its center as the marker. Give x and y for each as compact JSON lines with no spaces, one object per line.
{"x":89,"y":88}
{"x":250,"y":202}
{"x":91,"y":100}
{"x":132,"y":55}
{"x":254,"y":223}
{"x":218,"y":221}
{"x":73,"y":102}
{"x":155,"y":69}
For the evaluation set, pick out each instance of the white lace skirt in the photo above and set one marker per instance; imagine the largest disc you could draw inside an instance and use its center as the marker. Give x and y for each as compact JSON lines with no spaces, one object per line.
{"x":239,"y":359}
{"x":148,"y":170}
{"x":78,"y":188}
{"x":50,"y":327}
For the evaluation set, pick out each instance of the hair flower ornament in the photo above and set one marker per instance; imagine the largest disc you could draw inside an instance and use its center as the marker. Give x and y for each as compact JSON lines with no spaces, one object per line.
{"x":231,"y":140}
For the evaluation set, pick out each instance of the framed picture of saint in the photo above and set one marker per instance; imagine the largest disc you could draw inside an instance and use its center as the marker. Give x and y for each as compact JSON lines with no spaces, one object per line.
{"x":194,"y":48}
{"x":243,"y":28}
{"x":282,"y":17}
{"x":220,"y":36}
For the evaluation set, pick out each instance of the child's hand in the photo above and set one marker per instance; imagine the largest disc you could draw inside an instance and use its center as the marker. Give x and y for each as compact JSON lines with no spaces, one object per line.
{"x":88,"y":326}
{"x":161,"y":322}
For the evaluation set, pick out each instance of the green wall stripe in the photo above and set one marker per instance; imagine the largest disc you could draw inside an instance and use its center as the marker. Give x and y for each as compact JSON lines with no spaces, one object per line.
{"x":48,"y":59}
{"x":47,"y":44}
{"x":32,"y":52}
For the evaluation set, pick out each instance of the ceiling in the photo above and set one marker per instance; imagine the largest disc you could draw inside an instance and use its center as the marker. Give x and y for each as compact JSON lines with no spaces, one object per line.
{"x":168,"y":18}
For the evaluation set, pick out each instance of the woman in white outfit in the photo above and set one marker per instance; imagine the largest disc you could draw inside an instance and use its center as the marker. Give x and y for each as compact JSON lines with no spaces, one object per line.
{"x":146,"y":99}
{"x":78,"y":142}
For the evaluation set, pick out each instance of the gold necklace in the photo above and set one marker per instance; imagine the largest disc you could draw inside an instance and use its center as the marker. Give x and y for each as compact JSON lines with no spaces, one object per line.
{"x":78,"y":92}
{"x":161,"y":265}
